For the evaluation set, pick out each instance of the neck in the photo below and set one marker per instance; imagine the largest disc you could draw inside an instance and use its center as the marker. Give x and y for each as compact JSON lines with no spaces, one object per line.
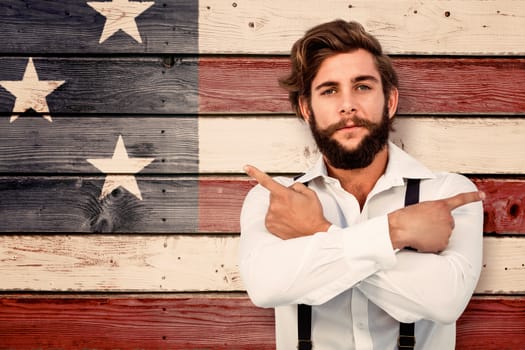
{"x":359,"y":182}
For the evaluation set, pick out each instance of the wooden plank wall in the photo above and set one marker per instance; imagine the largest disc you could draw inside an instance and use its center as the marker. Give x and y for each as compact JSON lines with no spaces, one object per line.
{"x":123,"y":134}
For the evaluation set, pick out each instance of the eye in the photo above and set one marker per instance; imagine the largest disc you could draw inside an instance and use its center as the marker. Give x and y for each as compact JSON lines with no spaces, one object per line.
{"x":362,"y":87}
{"x":329,"y":91}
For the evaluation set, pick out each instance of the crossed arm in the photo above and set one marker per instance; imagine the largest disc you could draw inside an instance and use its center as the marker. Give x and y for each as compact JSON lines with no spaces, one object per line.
{"x":281,"y":270}
{"x":296,"y":211}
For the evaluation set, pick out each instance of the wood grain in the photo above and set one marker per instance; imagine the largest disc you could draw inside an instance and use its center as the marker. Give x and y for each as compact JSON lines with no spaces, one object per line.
{"x":187,"y":145}
{"x":202,"y":117}
{"x":186,"y":321}
{"x":74,"y":27}
{"x":177,"y":263}
{"x":120,"y":85}
{"x":180,"y":204}
{"x":492,"y":323}
{"x":31,"y":145}
{"x":283,"y":144}
{"x":429,"y":27}
{"x":403,"y":27}
{"x":168,"y":84}
{"x":504,"y":208}
{"x":135,"y":322}
{"x":427,"y":85}
{"x":73,"y":204}
{"x":117,"y":263}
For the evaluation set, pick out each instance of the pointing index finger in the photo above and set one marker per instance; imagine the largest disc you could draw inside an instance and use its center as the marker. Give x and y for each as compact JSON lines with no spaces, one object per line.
{"x":264,"y":179}
{"x":464,"y":198}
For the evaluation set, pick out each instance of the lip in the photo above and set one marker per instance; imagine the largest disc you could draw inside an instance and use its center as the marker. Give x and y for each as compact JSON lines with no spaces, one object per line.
{"x":348,"y":127}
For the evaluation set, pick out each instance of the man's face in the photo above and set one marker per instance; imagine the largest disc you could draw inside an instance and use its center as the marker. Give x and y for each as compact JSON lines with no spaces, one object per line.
{"x":347,"y":112}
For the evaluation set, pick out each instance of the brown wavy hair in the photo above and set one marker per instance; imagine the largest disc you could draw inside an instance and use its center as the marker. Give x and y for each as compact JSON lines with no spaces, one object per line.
{"x":323,"y":41}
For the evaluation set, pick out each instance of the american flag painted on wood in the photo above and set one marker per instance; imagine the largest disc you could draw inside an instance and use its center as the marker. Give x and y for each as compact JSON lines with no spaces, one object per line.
{"x":124,"y":126}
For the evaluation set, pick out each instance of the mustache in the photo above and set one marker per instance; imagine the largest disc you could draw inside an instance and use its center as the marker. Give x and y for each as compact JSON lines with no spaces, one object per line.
{"x":356,"y":121}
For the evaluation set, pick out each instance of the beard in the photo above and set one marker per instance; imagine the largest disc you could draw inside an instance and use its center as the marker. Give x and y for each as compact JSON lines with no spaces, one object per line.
{"x":363,"y":155}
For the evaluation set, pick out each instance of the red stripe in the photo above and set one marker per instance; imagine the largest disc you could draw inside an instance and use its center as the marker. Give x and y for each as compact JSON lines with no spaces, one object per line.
{"x":427,"y":85}
{"x":201,"y":322}
{"x":220,"y":202}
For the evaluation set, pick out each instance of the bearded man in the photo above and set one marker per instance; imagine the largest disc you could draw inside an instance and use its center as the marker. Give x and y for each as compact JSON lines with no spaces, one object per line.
{"x":368,"y":249}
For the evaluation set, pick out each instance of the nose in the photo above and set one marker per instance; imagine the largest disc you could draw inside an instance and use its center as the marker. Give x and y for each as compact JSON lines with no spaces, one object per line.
{"x":347,"y":104}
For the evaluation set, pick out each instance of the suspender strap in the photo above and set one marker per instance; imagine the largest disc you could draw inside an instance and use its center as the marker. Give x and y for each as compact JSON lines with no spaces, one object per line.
{"x":412,"y":193}
{"x":304,"y":327}
{"x":304,"y":319}
{"x":406,"y":339}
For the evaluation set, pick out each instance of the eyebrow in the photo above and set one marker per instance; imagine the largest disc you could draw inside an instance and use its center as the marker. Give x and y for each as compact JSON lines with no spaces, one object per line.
{"x":355,"y":80}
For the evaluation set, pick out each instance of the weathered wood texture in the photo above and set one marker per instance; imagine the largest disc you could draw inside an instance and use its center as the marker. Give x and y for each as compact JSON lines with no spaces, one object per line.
{"x":73,"y":204}
{"x":177,"y":263}
{"x":462,"y":109}
{"x":428,"y":27}
{"x":156,"y":84}
{"x":179,"y":205}
{"x":492,"y":323}
{"x":201,"y":322}
{"x":284,"y":144}
{"x":209,"y":145}
{"x":427,"y":85}
{"x":72,"y":26}
{"x":404,"y":27}
{"x":134,"y":322}
{"x":504,"y":207}
{"x":33,"y":145}
{"x":120,"y":85}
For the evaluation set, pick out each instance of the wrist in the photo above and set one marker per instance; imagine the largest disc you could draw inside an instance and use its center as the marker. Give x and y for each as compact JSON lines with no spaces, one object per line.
{"x":324,"y":227}
{"x":395,"y":232}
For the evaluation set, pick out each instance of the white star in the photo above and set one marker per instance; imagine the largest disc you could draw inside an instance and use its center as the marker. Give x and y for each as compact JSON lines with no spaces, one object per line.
{"x":118,"y":170}
{"x":31,"y":92}
{"x":120,"y":14}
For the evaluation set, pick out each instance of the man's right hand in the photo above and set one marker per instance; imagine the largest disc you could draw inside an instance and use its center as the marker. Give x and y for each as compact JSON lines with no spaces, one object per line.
{"x":427,"y":226}
{"x":294,"y":211}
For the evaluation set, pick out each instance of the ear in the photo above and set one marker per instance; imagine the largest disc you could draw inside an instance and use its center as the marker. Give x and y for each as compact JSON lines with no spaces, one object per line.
{"x":304,"y":108}
{"x":393,"y":100}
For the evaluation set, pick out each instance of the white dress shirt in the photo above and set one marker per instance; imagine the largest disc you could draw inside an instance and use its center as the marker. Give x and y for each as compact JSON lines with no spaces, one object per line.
{"x":359,"y":286}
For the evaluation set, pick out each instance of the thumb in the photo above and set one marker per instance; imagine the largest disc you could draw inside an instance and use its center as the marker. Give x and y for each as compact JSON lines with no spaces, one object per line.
{"x":300,"y":188}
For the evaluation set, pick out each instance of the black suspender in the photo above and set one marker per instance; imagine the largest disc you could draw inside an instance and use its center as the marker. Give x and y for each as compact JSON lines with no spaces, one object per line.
{"x":406,"y":339}
{"x":304,"y":327}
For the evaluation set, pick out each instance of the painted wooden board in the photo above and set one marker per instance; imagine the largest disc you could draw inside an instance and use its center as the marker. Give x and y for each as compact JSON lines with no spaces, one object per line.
{"x":33,"y":145}
{"x":179,"y":204}
{"x":434,"y":27}
{"x":492,"y":323}
{"x":177,"y":263}
{"x":404,"y":27}
{"x":135,"y":322}
{"x":120,"y":85}
{"x":284,"y":144}
{"x":73,"y":26}
{"x":504,"y":206}
{"x":209,"y":145}
{"x":74,"y":204}
{"x":482,"y":145}
{"x":168,"y":84}
{"x":427,"y":85}
{"x":195,"y":321}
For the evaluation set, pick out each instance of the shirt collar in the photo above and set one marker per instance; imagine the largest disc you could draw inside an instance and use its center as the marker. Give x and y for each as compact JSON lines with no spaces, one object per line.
{"x":400,"y":166}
